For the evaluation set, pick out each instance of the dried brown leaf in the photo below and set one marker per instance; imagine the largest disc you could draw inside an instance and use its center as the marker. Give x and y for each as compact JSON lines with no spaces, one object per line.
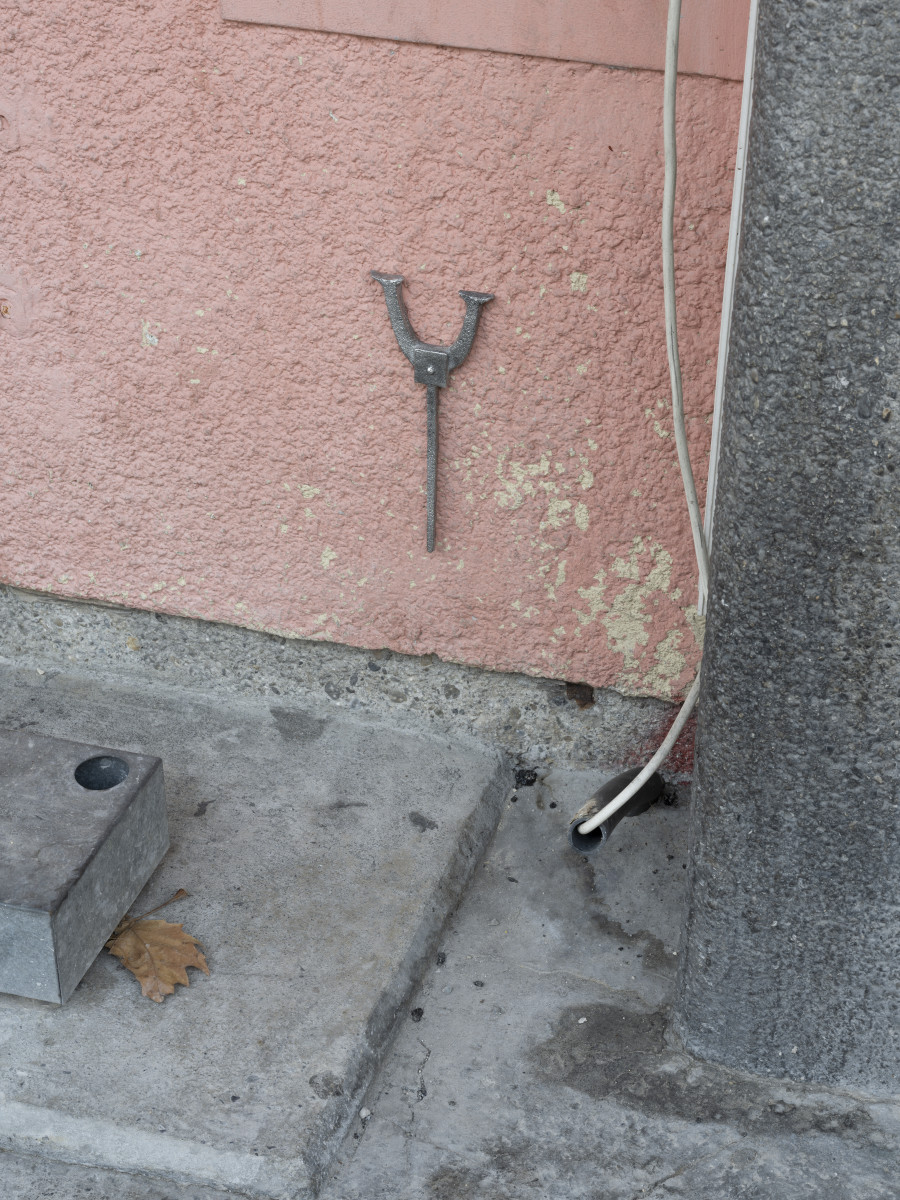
{"x":127,"y":921}
{"x":157,"y":953}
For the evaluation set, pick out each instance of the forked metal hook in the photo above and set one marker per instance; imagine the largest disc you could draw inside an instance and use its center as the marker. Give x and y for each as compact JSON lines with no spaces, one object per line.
{"x":431,"y":365}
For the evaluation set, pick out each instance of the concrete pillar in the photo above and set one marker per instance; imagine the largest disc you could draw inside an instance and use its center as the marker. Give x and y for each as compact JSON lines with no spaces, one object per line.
{"x":791,"y":961}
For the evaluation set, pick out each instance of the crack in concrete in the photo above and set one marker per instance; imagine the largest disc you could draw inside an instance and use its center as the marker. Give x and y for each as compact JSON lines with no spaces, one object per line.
{"x":422,"y":1090}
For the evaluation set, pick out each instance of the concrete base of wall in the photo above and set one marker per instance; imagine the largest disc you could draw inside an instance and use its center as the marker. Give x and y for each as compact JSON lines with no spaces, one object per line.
{"x":538,"y":722}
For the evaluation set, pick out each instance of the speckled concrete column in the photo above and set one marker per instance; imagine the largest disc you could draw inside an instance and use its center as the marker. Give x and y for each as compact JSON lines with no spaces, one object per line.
{"x":791,"y":962}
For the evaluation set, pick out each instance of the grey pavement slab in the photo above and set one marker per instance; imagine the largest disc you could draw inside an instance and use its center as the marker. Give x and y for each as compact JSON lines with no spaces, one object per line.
{"x":322,"y":854}
{"x":536,"y":1061}
{"x":82,"y":828}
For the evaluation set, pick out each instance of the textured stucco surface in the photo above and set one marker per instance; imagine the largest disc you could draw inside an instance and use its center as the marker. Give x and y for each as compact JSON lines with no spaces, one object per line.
{"x":791,"y":960}
{"x":205,"y":411}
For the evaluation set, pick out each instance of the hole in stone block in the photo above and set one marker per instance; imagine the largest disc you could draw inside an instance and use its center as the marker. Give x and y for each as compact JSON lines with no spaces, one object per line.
{"x":98,"y":774}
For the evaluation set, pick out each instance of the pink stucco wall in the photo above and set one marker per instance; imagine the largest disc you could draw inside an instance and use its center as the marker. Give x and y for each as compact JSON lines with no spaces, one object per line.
{"x":204,"y":409}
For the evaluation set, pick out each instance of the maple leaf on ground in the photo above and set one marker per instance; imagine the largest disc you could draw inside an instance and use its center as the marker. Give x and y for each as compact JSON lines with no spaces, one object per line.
{"x":156,"y":952}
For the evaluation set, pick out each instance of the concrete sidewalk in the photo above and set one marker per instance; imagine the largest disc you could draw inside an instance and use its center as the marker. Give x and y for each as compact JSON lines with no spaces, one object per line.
{"x":533,"y":1063}
{"x":322,"y":854}
{"x":325,"y":855}
{"x":541,"y":1067}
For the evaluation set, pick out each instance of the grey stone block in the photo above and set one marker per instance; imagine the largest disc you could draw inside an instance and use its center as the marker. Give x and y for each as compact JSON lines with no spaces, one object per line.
{"x":791,"y":962}
{"x":83,"y":828}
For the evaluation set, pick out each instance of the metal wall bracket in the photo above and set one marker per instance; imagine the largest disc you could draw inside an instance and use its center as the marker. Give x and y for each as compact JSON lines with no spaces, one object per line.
{"x":431,"y":366}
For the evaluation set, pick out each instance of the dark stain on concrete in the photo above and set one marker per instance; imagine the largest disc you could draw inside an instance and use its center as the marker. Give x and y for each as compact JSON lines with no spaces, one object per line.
{"x":622,"y":1054}
{"x":651,"y":948}
{"x":461,"y":1182}
{"x":510,"y":1168}
{"x":421,"y":821}
{"x":298,"y":725}
{"x":326,"y":1084}
{"x":653,"y":951}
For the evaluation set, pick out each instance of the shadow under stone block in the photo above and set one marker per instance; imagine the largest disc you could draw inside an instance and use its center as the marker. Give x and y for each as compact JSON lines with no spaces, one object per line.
{"x":82,"y":828}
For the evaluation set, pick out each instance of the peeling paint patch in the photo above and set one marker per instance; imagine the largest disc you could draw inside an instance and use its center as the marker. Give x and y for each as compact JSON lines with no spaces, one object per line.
{"x":670,"y":663}
{"x":559,"y":581}
{"x":553,"y":199}
{"x":578,"y":282}
{"x":516,"y":480}
{"x":627,"y":618}
{"x":582,"y":517}
{"x":595,"y":597}
{"x":658,"y":429}
{"x":557,"y":511}
{"x":629,"y":568}
{"x":697,"y":623}
{"x":328,"y":557}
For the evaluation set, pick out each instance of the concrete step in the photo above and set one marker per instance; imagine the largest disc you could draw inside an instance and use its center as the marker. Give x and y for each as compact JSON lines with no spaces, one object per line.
{"x":322,"y":854}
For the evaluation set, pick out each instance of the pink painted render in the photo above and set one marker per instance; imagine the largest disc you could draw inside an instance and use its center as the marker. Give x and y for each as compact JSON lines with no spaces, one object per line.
{"x":205,"y":410}
{"x":621,"y":33}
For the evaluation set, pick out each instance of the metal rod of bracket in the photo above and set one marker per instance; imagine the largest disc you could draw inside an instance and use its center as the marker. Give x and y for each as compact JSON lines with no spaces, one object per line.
{"x":431,"y":405}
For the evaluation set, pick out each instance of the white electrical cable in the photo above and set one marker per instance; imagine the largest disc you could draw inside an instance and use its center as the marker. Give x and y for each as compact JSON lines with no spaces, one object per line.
{"x":658,"y":758}
{"x":684,"y":460}
{"x":731,"y":263}
{"x":668,"y":264}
